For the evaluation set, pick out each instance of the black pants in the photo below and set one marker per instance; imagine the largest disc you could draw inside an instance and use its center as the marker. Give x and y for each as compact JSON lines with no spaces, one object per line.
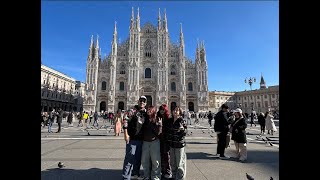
{"x":222,"y":142}
{"x":59,"y":127}
{"x":262,"y":126}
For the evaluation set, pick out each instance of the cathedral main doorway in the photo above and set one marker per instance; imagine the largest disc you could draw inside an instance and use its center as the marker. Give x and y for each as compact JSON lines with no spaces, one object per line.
{"x":149,"y":101}
{"x":103,"y":106}
{"x":191,"y":106}
{"x":121,"y":105}
{"x":173,"y":105}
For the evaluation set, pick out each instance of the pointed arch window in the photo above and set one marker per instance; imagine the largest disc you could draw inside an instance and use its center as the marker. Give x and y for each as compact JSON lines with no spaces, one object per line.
{"x":173,"y":70}
{"x":190,"y":87}
{"x":147,"y":48}
{"x":147,"y":73}
{"x":104,"y":85}
{"x":121,"y":88}
{"x":173,"y":86}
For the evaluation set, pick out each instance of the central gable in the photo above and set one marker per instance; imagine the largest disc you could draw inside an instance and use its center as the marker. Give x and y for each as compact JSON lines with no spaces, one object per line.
{"x":148,"y":28}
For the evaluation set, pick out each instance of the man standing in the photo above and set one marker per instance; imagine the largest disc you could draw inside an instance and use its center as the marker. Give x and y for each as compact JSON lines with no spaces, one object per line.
{"x":133,"y":136}
{"x":221,"y":128}
{"x":210,"y":117}
{"x":59,"y":119}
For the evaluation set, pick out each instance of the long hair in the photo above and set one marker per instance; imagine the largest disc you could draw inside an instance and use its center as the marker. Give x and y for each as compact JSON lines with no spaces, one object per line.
{"x":166,"y":111}
{"x":180,"y":111}
{"x":153,"y":111}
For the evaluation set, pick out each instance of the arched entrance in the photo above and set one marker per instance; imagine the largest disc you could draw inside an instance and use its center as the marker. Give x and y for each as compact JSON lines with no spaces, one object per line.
{"x":149,"y":101}
{"x":173,"y":105}
{"x":191,"y":106}
{"x":121,"y":105}
{"x":103,"y":106}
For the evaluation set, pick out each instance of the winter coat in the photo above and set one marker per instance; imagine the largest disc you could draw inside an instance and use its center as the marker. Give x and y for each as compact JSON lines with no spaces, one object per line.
{"x":239,"y":130}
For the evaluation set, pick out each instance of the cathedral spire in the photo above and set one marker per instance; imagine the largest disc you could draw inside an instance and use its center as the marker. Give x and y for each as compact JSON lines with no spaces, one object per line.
{"x":91,"y":42}
{"x":97,"y":43}
{"x":159,"y":20}
{"x":115,"y":32}
{"x":165,"y":25}
{"x":181,"y":40}
{"x":138,"y":20}
{"x":132,"y":19}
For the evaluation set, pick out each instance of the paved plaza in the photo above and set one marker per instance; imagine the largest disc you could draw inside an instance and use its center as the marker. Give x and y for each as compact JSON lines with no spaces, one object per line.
{"x":100,"y":155}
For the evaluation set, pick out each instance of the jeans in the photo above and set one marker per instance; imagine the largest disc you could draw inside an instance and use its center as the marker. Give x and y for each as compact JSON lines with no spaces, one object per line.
{"x":178,"y":161}
{"x":95,"y":121}
{"x":132,"y":160}
{"x":151,"y":159}
{"x":49,"y":126}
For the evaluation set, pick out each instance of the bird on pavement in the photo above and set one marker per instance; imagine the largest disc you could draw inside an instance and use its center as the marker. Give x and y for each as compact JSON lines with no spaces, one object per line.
{"x":88,"y":133}
{"x":249,"y":177}
{"x":61,"y":165}
{"x":211,"y":136}
{"x":271,"y":178}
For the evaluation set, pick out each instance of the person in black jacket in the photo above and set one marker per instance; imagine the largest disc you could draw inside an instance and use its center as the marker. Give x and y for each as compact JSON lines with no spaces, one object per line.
{"x":176,"y":139}
{"x":221,"y":128}
{"x":133,"y":135}
{"x":239,"y":135}
{"x":262,"y":122}
{"x":59,"y":119}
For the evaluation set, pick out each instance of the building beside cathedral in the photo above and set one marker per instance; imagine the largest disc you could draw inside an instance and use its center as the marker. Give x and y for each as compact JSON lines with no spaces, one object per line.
{"x":259,"y":100}
{"x":147,"y":63}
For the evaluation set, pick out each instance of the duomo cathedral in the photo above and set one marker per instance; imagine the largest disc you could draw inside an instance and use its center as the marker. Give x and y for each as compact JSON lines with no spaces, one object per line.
{"x":147,"y":63}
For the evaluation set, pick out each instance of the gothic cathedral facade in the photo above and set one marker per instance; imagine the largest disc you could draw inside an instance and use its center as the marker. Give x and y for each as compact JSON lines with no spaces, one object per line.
{"x":148,"y":64}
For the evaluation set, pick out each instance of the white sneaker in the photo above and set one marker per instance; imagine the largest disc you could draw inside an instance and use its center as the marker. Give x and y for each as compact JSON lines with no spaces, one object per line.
{"x":168,"y":176}
{"x":224,"y":157}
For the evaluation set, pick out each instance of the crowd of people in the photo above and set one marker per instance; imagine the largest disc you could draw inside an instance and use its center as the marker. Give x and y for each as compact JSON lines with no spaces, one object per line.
{"x":155,"y":138}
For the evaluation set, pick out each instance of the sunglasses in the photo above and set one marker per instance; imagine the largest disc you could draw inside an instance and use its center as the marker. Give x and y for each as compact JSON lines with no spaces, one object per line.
{"x":142,"y":100}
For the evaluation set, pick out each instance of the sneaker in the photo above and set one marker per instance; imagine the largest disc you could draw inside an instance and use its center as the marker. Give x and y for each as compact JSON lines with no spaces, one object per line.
{"x":168,"y":176}
{"x":224,"y":157}
{"x":134,"y":177}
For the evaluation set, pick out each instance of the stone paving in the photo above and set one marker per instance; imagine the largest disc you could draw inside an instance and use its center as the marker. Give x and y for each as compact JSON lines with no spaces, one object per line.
{"x":100,"y":155}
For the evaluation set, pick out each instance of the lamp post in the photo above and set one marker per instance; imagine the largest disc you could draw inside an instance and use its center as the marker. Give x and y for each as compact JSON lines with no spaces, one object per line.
{"x":250,"y":81}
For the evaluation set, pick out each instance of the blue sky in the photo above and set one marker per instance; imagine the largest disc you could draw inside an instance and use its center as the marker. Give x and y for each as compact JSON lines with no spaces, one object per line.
{"x":241,"y":37}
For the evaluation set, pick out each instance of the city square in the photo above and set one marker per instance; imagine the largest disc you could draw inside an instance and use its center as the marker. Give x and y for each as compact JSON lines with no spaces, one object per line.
{"x":216,"y":67}
{"x":100,"y":155}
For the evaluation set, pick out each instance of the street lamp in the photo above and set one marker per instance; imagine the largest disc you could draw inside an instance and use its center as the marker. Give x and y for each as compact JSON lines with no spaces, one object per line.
{"x":250,"y":81}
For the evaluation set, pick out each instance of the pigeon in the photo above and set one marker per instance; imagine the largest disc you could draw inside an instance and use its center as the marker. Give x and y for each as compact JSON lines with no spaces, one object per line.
{"x":88,"y":133}
{"x":249,"y":177}
{"x":61,"y":165}
{"x":203,"y":131}
{"x":271,"y":178}
{"x":211,"y":136}
{"x":270,"y":144}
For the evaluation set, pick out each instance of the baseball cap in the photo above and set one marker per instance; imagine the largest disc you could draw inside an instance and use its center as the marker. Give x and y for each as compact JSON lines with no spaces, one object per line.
{"x":143,"y":97}
{"x":238,"y":110}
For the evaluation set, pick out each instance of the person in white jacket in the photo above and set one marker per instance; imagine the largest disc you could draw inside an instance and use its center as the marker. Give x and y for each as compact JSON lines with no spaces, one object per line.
{"x":270,"y":126}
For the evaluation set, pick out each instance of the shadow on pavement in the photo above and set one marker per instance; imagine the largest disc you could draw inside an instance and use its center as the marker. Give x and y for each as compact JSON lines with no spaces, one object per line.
{"x":194,"y":142}
{"x":83,"y":174}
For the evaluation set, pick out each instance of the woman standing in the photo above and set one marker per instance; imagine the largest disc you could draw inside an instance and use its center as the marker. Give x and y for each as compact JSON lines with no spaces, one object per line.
{"x":177,"y":143}
{"x":270,"y":126}
{"x":163,"y":114}
{"x":117,"y":123}
{"x":239,"y":135}
{"x":150,"y":157}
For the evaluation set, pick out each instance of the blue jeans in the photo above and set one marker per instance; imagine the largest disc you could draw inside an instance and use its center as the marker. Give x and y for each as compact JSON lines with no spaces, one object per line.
{"x":95,"y":121}
{"x":49,"y":126}
{"x":132,"y":160}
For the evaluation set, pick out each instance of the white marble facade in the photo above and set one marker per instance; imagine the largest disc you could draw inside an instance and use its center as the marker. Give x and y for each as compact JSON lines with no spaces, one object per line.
{"x":149,"y":64}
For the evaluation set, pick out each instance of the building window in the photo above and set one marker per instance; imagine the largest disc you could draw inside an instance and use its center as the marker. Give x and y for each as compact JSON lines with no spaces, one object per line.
{"x":122,"y":69}
{"x":147,"y":48}
{"x":218,"y":105}
{"x":251,"y":97}
{"x":173,"y":86}
{"x":121,"y":86}
{"x":245,"y":105}
{"x":258,"y":104}
{"x":173,"y":70}
{"x":239,"y":98}
{"x":147,"y":73}
{"x":221,"y":97}
{"x":245,"y":98}
{"x":258,"y":97}
{"x":104,"y":85}
{"x":273,"y":95}
{"x":265,"y":96}
{"x":190,"y":88}
{"x":266,"y":103}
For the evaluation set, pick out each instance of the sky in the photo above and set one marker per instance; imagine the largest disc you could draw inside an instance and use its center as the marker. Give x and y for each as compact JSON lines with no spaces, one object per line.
{"x":241,"y":37}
